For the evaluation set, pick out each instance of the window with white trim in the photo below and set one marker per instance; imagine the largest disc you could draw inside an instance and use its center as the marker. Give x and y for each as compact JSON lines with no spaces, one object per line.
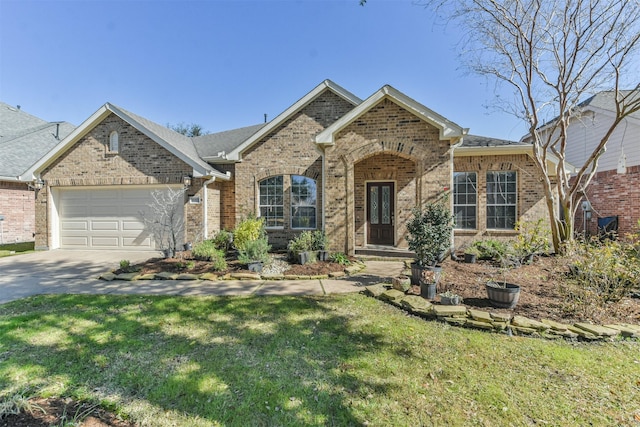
{"x":272,"y":201}
{"x":465,"y":196}
{"x":502,"y":196}
{"x":303,"y":202}
{"x":114,"y":143}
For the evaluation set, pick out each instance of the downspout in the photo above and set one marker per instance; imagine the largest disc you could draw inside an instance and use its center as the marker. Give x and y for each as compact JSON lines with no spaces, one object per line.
{"x":205,"y":211}
{"x":453,"y":148}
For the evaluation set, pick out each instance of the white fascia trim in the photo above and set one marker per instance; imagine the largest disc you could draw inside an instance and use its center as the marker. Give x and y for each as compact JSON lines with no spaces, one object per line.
{"x":236,"y":154}
{"x":552,"y":160}
{"x":198,"y":170}
{"x":448,"y":129}
{"x":67,"y":142}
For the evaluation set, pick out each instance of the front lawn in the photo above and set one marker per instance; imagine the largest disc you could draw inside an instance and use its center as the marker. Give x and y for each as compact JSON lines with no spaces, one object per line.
{"x":16,"y":248}
{"x":337,"y":360}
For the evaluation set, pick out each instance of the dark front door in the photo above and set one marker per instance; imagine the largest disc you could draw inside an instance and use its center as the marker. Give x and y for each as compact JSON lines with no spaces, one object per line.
{"x":380,"y":211}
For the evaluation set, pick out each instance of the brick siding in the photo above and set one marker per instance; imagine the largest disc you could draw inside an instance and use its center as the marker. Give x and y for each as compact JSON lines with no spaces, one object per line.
{"x":17,"y":205}
{"x":613,"y":194}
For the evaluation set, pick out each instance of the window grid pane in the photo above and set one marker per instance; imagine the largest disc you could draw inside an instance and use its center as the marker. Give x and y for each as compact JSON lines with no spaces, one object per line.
{"x":464,"y":199}
{"x":303,"y":202}
{"x":501,"y":200}
{"x":272,"y":201}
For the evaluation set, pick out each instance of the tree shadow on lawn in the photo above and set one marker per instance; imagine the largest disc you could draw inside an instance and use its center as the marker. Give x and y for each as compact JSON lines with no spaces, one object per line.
{"x":236,"y":361}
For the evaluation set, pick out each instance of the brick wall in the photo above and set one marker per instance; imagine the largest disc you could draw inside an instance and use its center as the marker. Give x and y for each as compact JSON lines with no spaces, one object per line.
{"x":288,"y":150}
{"x":17,"y":205}
{"x":387,"y":142}
{"x":88,"y":163}
{"x":531,"y":203}
{"x":613,"y":194}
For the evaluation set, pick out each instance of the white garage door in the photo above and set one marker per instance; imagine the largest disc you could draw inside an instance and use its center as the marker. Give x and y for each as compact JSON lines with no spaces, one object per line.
{"x":105,"y":218}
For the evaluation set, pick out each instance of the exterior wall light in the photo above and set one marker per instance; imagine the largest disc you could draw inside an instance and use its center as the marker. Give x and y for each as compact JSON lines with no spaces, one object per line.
{"x":186,"y":181}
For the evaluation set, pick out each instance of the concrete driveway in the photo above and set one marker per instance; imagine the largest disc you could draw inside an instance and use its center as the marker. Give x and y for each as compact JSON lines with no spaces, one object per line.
{"x":58,"y":270}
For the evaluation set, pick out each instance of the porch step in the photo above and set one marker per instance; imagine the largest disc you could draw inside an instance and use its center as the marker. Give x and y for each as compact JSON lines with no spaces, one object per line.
{"x":383,"y":252}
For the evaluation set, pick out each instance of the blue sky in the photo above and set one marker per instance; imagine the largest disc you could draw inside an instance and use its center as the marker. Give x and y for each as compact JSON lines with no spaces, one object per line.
{"x":223,"y":64}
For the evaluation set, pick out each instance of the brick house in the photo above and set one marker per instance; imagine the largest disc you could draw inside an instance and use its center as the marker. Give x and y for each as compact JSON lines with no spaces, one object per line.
{"x":354,"y":168}
{"x":23,"y":140}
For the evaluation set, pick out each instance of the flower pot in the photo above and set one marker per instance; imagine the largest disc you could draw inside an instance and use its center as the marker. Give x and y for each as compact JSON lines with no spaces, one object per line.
{"x":187,"y":246}
{"x":470,"y":258}
{"x":323,"y":255}
{"x":168,"y":253}
{"x":303,"y":257}
{"x":255,"y":266}
{"x":528,"y":259}
{"x":428,"y":290}
{"x":503,"y":297}
{"x":420,"y":273}
{"x":453,"y":300}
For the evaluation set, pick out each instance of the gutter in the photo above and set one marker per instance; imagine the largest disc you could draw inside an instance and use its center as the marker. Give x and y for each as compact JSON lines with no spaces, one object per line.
{"x":451,"y":183}
{"x":205,"y":200}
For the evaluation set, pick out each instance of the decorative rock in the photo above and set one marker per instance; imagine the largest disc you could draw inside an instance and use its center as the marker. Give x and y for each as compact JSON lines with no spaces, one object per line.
{"x":566,"y":333}
{"x":107,"y":276}
{"x":337,"y":274}
{"x":127,"y":276}
{"x":522,"y":330}
{"x":374,"y":290}
{"x":353,"y":269}
{"x":600,"y":331}
{"x":582,"y":333}
{"x":319,"y":277}
{"x":245,"y":276}
{"x":273,"y":276}
{"x":417,"y":305}
{"x":401,"y":283}
{"x":290,"y":277}
{"x":500,"y":326}
{"x":393,"y":296}
{"x":500,"y":317}
{"x":480,"y":316}
{"x":626,"y":330}
{"x":148,"y":276}
{"x":209,"y":276}
{"x":449,"y":310}
{"x":165,"y":275}
{"x":479,"y":325}
{"x":454,"y":321}
{"x":524,"y":322}
{"x":556,"y":326}
{"x":187,"y":276}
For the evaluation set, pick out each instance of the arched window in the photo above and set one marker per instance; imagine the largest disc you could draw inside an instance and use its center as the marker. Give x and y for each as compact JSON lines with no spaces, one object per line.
{"x":303,"y":202}
{"x":272,"y":201}
{"x":113,"y":142}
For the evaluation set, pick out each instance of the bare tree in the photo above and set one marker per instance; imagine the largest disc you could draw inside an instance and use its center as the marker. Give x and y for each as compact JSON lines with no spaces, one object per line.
{"x":553,"y":55}
{"x":165,"y":218}
{"x":188,"y":129}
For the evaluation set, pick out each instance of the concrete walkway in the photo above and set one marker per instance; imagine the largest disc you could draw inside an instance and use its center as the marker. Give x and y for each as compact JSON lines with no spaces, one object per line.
{"x":76,"y":272}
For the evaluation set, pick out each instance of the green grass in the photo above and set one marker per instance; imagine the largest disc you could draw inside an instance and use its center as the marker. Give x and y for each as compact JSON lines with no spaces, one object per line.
{"x":305,"y":361}
{"x":16,"y":248}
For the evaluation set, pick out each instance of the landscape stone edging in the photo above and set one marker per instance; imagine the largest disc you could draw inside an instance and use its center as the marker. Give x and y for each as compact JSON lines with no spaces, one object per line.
{"x":164,"y":275}
{"x":459,"y":315}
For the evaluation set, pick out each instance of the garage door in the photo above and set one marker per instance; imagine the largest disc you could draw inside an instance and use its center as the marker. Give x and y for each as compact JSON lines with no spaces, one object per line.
{"x":105,"y":218}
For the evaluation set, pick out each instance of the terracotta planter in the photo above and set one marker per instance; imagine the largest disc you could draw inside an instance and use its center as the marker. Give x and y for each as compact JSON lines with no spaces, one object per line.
{"x":503,"y":297}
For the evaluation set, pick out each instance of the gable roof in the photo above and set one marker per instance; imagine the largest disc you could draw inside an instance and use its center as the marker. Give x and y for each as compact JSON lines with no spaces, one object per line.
{"x":215,"y":146}
{"x":448,"y":129}
{"x":177,"y":144}
{"x":236,"y":153}
{"x":24,"y":139}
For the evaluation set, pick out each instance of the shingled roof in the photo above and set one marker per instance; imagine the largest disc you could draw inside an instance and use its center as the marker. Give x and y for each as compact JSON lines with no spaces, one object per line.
{"x":24,"y":139}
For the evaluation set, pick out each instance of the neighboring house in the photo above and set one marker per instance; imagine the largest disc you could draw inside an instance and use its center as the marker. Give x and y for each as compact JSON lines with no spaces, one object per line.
{"x":23,"y":140}
{"x":354,"y":168}
{"x":615,"y":189}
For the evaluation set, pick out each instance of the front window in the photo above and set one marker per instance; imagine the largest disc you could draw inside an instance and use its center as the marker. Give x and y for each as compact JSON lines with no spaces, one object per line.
{"x":114,"y":143}
{"x":465,"y":200}
{"x":303,"y":202}
{"x":501,"y":200}
{"x":272,"y":201}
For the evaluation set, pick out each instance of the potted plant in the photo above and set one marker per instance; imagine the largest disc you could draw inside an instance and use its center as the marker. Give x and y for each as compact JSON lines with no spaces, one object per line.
{"x":471,"y":254}
{"x":430,"y":238}
{"x":255,"y":253}
{"x":320,"y":243}
{"x":301,"y":248}
{"x":450,"y":298}
{"x":500,"y":293}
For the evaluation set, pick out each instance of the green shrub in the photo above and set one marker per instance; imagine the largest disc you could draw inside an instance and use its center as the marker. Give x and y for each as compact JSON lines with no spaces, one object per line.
{"x":340,"y":258}
{"x":222,"y":240}
{"x":430,"y":233}
{"x":533,"y":238}
{"x":255,"y":250}
{"x":125,"y":264}
{"x":319,"y":241}
{"x":249,"y":229}
{"x":204,"y":250}
{"x":302,"y":243}
{"x":491,"y":249}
